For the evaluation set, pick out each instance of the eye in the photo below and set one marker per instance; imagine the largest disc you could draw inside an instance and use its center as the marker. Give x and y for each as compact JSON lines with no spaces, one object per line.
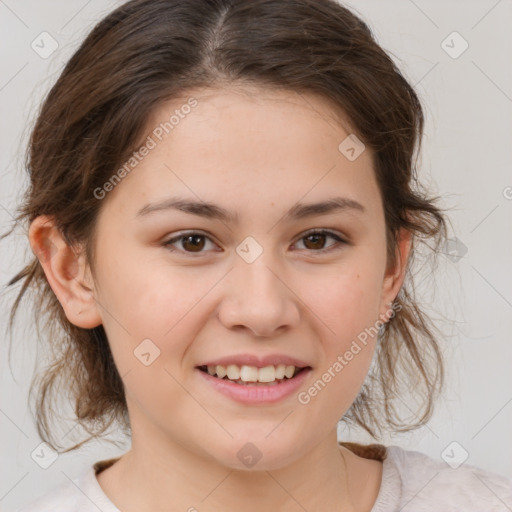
{"x":192,"y":242}
{"x":316,"y":238}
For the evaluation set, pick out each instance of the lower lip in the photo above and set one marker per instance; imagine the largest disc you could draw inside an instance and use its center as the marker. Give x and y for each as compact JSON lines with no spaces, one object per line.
{"x":259,"y":394}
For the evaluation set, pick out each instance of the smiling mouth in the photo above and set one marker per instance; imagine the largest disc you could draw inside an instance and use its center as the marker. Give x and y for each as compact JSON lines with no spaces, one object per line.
{"x":252,"y":375}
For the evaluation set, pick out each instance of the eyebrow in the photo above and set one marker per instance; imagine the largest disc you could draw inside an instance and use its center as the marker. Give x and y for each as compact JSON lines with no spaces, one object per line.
{"x":213,"y":211}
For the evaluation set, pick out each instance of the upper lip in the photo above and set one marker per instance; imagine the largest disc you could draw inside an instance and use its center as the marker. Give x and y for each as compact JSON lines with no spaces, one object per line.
{"x":258,"y":361}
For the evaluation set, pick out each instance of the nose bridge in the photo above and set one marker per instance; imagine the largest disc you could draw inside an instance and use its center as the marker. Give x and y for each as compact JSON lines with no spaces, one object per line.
{"x":254,"y":260}
{"x":257,"y":275}
{"x":257,"y":296}
{"x":253,"y":269}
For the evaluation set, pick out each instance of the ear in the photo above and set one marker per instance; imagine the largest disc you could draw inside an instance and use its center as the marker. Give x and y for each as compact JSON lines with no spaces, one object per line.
{"x":395,"y":275}
{"x":67,"y":272}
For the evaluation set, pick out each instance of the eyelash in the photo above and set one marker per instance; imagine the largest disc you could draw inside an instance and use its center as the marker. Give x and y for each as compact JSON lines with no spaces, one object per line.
{"x":168,"y":243}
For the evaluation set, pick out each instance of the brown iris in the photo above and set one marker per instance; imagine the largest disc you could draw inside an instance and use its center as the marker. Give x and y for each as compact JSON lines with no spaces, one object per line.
{"x":316,"y":237}
{"x":195,"y":242}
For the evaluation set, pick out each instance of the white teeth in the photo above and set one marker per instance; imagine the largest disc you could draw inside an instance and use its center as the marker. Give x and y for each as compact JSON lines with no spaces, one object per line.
{"x":233,"y":372}
{"x":245,"y":373}
{"x":280,"y":368}
{"x":267,"y":374}
{"x":249,"y":373}
{"x":289,"y":371}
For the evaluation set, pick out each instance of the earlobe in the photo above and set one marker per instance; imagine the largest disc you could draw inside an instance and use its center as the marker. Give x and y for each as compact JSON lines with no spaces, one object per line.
{"x":66,"y":271}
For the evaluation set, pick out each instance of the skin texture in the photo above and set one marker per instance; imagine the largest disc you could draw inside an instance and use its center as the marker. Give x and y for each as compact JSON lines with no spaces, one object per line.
{"x":256,"y":153}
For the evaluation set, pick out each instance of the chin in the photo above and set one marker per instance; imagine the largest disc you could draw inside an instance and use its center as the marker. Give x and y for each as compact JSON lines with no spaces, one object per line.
{"x":258,"y":455}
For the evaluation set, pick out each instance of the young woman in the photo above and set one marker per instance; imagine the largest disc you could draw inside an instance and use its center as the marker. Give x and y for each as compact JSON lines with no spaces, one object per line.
{"x":223,"y":213}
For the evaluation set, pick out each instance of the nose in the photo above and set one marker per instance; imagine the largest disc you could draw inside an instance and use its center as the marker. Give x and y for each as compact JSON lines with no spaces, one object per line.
{"x":258,"y":298}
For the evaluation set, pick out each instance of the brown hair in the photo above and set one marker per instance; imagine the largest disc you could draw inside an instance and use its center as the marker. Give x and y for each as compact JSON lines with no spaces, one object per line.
{"x":149,"y":51}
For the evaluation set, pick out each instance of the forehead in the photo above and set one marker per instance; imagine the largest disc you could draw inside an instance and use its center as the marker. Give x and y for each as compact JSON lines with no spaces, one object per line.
{"x":238,"y":147}
{"x":248,"y":122}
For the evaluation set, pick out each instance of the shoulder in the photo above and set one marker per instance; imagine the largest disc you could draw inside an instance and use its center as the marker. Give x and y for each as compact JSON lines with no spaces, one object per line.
{"x":81,"y":494}
{"x":426,"y":484}
{"x":63,"y":497}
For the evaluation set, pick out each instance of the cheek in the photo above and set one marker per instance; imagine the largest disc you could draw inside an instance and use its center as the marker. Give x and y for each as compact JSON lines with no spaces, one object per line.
{"x":347,"y":305}
{"x":140,"y":300}
{"x":348,"y":309}
{"x":346,"y":301}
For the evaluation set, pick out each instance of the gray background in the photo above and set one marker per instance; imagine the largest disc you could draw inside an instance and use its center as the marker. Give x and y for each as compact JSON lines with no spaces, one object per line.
{"x":466,"y":158}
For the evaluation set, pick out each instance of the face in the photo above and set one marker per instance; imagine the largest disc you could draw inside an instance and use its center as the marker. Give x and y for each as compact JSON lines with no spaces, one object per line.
{"x":244,"y":283}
